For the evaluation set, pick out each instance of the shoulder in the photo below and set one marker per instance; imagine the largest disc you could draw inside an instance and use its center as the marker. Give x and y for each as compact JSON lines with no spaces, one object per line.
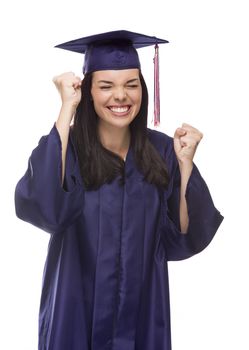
{"x":161,"y":141}
{"x":164,"y":144}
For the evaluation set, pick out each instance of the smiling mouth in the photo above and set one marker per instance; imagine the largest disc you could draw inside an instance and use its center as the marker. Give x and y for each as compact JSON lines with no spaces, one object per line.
{"x":120,"y":109}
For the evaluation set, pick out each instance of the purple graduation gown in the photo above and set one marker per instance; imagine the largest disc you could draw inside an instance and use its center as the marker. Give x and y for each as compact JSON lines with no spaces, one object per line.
{"x":105,"y":283}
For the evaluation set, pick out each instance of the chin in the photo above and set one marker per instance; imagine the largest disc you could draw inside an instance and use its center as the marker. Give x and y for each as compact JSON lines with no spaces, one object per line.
{"x":117,"y":121}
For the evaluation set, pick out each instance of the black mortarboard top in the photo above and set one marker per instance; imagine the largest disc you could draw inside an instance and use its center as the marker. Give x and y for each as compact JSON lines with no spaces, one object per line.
{"x":114,"y":51}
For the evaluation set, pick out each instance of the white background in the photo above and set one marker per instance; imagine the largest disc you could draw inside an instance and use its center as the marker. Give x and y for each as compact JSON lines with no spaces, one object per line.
{"x":204,"y":81}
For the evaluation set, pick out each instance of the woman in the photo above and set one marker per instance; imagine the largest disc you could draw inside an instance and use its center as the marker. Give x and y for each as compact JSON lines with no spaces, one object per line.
{"x":119,"y":201}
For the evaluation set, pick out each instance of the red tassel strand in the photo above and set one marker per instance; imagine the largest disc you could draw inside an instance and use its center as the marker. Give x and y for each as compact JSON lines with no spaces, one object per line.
{"x":156,"y":88}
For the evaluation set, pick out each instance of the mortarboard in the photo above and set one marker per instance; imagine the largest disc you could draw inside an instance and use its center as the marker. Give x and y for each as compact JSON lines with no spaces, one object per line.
{"x":117,"y":50}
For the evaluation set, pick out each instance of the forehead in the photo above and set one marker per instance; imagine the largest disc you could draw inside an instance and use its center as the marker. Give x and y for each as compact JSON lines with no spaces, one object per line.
{"x":116,"y":75}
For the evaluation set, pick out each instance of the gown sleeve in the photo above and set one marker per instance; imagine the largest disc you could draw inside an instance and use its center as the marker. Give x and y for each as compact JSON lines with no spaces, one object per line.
{"x":40,"y":198}
{"x":204,"y":218}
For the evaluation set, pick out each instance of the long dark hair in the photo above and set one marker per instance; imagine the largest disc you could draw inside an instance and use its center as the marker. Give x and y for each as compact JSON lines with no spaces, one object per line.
{"x":99,"y":165}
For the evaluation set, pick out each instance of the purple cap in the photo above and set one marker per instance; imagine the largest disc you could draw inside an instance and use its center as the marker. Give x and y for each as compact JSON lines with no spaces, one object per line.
{"x":112,"y":50}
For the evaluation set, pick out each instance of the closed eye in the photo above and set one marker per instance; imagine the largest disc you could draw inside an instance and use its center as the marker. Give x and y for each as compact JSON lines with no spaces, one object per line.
{"x":133,"y":86}
{"x":106,"y":87}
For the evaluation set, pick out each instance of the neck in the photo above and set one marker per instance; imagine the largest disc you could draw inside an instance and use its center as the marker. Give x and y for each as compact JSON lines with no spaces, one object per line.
{"x":116,"y":140}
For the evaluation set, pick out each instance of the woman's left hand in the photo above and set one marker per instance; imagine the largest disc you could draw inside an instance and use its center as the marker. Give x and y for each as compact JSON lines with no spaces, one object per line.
{"x":186,"y":140}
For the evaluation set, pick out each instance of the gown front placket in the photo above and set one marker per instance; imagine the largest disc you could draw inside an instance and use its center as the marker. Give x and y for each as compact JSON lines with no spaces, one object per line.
{"x":119,"y":266}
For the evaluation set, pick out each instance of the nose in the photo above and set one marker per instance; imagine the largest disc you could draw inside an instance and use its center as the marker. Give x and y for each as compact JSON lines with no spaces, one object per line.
{"x":119,"y":94}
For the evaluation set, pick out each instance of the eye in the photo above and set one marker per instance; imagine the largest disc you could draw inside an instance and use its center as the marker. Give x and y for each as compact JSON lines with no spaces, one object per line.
{"x":105,"y":87}
{"x":132,"y":86}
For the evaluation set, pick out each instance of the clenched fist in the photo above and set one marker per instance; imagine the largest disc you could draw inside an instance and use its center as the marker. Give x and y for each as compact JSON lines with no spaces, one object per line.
{"x":186,"y":140}
{"x":69,"y":87}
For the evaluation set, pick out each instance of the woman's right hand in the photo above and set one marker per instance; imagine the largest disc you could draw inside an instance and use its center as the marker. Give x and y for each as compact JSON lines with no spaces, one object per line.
{"x":69,"y":87}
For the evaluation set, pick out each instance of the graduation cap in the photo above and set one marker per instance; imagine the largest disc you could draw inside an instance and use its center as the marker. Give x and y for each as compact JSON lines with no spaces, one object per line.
{"x":114,"y":51}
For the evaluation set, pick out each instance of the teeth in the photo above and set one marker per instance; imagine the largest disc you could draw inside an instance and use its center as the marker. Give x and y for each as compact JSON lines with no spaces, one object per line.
{"x":119,"y":109}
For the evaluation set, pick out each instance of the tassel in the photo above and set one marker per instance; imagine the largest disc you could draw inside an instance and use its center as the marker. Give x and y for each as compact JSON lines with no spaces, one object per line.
{"x":156,"y":88}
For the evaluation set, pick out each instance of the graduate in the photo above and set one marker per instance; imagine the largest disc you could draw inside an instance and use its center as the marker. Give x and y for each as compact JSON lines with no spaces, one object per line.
{"x":119,"y":201}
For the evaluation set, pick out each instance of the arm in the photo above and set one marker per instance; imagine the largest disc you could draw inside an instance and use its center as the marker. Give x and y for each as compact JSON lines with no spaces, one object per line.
{"x":63,"y":127}
{"x":186,"y":140}
{"x":68,"y":86}
{"x":203,"y":217}
{"x":185,"y":171}
{"x":40,"y":197}
{"x":192,"y":219}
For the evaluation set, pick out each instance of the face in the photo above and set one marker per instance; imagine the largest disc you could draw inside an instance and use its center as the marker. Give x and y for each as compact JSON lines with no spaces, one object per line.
{"x":117,"y":96}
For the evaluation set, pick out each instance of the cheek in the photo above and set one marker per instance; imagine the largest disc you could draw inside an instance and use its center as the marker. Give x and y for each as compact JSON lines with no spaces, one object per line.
{"x":100,"y":98}
{"x":97,"y":107}
{"x":138,"y":100}
{"x":97,"y":101}
{"x":139,"y":96}
{"x":99,"y":104}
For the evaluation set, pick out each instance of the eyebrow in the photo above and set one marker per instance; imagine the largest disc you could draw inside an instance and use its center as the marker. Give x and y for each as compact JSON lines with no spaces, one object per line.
{"x":110,"y":82}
